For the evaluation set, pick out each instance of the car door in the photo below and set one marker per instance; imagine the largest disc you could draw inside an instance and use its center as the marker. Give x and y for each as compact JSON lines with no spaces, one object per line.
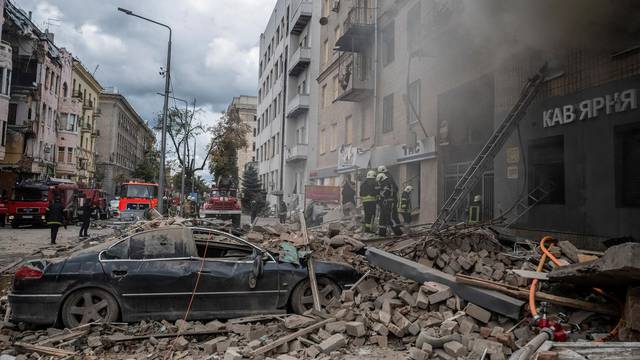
{"x":225,"y":287}
{"x":155,"y":280}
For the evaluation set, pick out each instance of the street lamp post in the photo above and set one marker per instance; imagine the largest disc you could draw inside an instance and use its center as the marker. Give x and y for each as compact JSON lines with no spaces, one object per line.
{"x":163,"y":137}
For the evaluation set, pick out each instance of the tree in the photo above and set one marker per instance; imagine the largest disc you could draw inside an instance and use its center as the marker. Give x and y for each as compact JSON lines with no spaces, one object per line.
{"x":199,"y":185}
{"x":181,"y":127}
{"x":252,"y":191}
{"x":149,"y":167}
{"x":229,"y":135}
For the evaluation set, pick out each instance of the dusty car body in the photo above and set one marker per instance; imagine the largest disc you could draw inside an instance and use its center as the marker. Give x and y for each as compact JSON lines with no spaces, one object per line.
{"x":153,"y":274}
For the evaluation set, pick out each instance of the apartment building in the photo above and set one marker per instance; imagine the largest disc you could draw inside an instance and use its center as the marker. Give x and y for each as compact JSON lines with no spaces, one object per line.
{"x":36,"y":86}
{"x":5,"y":84}
{"x":124,"y":139}
{"x":67,"y":123}
{"x":245,"y":106}
{"x":87,"y":89}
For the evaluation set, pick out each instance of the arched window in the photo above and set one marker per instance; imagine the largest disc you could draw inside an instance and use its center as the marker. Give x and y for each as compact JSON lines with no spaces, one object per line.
{"x":65,"y":89}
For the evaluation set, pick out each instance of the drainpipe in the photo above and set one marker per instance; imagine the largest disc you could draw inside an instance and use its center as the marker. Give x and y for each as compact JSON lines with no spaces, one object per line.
{"x":375,"y":75}
{"x":285,"y":77}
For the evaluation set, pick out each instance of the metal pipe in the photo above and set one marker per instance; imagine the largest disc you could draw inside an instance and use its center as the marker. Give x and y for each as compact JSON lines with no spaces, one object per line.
{"x":525,"y":352}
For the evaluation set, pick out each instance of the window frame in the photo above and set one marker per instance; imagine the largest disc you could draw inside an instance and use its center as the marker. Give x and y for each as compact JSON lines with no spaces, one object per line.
{"x":387,"y":113}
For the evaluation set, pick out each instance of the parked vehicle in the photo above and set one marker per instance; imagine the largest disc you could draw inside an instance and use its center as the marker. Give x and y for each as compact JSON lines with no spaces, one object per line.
{"x":222,"y":203}
{"x":152,"y":274}
{"x":30,"y":201}
{"x":136,"y":197}
{"x":98,"y":201}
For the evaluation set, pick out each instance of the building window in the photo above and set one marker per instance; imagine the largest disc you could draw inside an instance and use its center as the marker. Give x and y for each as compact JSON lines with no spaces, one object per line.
{"x":325,"y":52}
{"x":324,"y":96}
{"x":414,"y":26}
{"x":60,"y":152}
{"x":323,"y":141}
{"x":388,"y":43}
{"x":69,"y":155}
{"x":546,"y":168}
{"x":414,"y":101}
{"x":627,"y":158}
{"x":348,"y":130}
{"x":387,"y":113}
{"x":3,"y":140}
{"x":334,"y":136}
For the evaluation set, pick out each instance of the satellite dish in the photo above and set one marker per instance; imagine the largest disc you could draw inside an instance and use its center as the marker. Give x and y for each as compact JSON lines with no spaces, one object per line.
{"x":324,"y":20}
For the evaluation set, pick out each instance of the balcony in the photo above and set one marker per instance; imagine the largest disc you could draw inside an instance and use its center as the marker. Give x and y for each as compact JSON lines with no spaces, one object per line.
{"x":356,"y":81}
{"x":298,"y":105}
{"x":76,"y":94}
{"x":86,"y":127}
{"x":299,"y":61}
{"x":358,"y":30}
{"x":297,"y":152}
{"x":301,"y":16}
{"x":87,"y":105}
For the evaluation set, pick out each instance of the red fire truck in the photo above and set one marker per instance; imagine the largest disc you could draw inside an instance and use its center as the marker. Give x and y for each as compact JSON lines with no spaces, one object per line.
{"x":30,"y":200}
{"x":98,"y":201}
{"x":222,"y":204}
{"x":136,"y":197}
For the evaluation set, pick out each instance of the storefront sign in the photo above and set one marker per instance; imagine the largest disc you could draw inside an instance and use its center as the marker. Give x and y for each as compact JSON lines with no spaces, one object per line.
{"x":424,"y":149}
{"x":322,"y":193}
{"x":591,"y":108}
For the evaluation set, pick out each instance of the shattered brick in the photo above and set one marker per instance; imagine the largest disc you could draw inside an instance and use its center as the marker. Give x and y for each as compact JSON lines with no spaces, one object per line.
{"x":334,"y":342}
{"x":478,"y":313}
{"x":355,"y":328}
{"x":418,"y":354}
{"x":335,"y":327}
{"x":454,"y":348}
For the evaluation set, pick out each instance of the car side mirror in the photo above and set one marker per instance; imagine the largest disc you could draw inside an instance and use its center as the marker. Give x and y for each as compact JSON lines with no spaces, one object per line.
{"x":257,"y":269}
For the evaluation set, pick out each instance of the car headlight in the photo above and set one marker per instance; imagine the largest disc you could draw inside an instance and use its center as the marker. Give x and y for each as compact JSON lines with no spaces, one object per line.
{"x":42,"y":217}
{"x":10,"y":217}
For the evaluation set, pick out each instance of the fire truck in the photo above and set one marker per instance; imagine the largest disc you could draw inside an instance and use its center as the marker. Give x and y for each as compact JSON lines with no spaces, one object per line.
{"x":30,"y":200}
{"x":98,"y":201}
{"x":222,"y":204}
{"x":136,"y":197}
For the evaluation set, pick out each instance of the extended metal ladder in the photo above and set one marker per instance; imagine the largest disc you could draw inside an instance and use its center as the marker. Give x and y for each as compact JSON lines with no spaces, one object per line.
{"x":490,"y":149}
{"x":533,"y":198}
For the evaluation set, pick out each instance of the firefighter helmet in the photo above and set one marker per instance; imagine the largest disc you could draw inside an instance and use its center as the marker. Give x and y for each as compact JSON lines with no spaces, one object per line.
{"x":408,"y":189}
{"x":382,"y":169}
{"x":381,"y":177}
{"x":371,"y":174}
{"x":477,"y":198}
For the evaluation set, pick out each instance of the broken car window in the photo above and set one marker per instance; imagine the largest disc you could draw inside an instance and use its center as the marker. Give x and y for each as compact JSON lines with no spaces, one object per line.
{"x":214,"y":246}
{"x":159,"y":244}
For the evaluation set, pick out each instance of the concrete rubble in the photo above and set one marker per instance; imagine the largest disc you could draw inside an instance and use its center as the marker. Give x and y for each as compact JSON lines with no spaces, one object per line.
{"x":410,"y":303}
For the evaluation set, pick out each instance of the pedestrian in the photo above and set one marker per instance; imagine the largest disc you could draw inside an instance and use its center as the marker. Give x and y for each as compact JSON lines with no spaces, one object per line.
{"x":387,"y":204}
{"x":254,"y":211}
{"x":405,"y":204}
{"x":282,"y":214}
{"x":85,"y":218}
{"x":348,"y":196}
{"x":55,"y":218}
{"x":394,"y":186}
{"x":369,"y":197}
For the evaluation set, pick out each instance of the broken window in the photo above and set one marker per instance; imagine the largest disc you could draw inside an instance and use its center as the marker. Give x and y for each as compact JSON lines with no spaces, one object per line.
{"x":546,"y":168}
{"x":212,"y":245}
{"x":627,"y":158}
{"x":160,"y":244}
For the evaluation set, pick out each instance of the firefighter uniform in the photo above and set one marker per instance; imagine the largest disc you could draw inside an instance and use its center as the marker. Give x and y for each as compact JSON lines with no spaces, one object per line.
{"x":369,"y":196}
{"x":405,"y":204}
{"x":387,"y":203}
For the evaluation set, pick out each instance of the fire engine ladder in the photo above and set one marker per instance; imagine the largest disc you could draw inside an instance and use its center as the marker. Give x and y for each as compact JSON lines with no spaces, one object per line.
{"x":490,"y":149}
{"x":533,"y":198}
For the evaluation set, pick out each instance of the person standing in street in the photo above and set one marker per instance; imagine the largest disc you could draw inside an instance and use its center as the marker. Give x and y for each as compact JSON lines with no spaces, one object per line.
{"x":387,"y":202}
{"x":55,"y":218}
{"x":369,"y":197}
{"x":348,"y":196}
{"x":282,"y":214}
{"x":254,"y":211}
{"x":405,"y":204}
{"x":85,"y":217}
{"x":395,"y":218}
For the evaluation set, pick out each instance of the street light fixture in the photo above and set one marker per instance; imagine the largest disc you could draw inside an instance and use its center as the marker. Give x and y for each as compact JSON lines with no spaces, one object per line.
{"x":184,"y":151}
{"x":163,"y":137}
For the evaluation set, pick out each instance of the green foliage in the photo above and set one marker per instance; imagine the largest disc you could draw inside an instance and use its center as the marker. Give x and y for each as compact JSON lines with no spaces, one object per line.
{"x":252,"y":191}
{"x":148,"y":168}
{"x":199,"y":186}
{"x":229,"y":135}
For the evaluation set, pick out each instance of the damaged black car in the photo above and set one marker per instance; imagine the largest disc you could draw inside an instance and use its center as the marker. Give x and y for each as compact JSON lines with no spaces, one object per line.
{"x":159,"y":274}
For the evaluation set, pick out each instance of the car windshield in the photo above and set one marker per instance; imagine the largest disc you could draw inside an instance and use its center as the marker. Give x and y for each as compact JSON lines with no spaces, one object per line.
{"x":140,"y":191}
{"x":27,"y":194}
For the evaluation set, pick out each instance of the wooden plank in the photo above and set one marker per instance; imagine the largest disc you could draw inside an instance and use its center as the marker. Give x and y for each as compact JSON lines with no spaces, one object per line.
{"x":528,"y":274}
{"x":524,"y":294}
{"x":285,"y":339}
{"x":315,"y":293}
{"x":63,"y":337}
{"x":120,"y":338}
{"x":43,"y":349}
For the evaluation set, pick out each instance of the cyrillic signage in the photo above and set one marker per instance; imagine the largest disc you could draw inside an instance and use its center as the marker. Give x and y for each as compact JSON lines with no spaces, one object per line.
{"x":591,"y":108}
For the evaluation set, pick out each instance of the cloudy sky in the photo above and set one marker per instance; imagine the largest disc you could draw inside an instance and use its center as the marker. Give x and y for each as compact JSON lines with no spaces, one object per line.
{"x":215,"y":47}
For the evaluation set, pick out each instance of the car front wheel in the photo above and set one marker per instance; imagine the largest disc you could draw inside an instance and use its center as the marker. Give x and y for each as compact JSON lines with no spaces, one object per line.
{"x":302,"y":300}
{"x":89,"y":305}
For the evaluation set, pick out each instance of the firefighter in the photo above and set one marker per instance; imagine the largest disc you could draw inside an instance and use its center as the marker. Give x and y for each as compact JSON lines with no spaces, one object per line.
{"x":55,"y":218}
{"x":87,"y":209}
{"x":369,"y":196}
{"x":387,"y":203}
{"x":405,"y":204}
{"x":474,"y":210}
{"x":394,"y":186}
